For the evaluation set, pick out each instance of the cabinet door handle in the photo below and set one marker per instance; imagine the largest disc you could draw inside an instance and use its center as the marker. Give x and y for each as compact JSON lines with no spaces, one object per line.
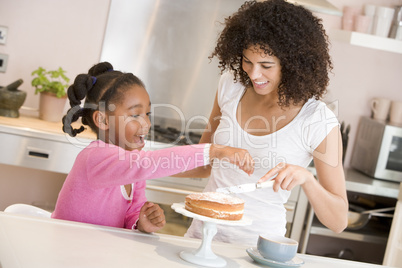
{"x":33,"y":152}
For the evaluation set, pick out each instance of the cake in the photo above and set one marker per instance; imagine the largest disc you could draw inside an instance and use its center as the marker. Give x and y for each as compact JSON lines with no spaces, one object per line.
{"x":215,"y":205}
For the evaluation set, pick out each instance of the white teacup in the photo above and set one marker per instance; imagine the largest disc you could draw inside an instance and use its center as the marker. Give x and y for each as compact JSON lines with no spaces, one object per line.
{"x":383,"y":20}
{"x":369,"y":10}
{"x":348,"y":18}
{"x":363,"y":23}
{"x":380,"y":108}
{"x":276,"y":247}
{"x":395,"y":115}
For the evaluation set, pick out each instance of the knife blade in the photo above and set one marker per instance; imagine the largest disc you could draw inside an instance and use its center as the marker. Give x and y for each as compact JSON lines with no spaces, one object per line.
{"x":244,"y":188}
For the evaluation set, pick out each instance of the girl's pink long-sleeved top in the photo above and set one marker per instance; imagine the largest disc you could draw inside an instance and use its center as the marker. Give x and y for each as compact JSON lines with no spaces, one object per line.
{"x":94,"y":189}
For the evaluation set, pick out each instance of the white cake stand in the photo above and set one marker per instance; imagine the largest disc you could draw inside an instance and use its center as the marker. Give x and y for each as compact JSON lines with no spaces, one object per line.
{"x":204,"y":255}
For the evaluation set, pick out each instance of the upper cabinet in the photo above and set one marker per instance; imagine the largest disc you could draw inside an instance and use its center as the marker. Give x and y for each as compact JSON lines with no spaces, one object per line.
{"x":367,"y":40}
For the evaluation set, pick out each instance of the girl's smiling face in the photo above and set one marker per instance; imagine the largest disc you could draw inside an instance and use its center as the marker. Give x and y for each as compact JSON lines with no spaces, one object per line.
{"x":264,"y":70}
{"x":128,"y":121}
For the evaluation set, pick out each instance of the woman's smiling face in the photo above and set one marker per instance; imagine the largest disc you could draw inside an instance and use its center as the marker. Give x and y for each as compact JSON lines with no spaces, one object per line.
{"x":129,"y":121}
{"x":263,"y":70}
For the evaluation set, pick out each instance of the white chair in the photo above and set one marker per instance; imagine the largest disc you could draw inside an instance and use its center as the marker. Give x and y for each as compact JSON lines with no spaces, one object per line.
{"x":29,"y":210}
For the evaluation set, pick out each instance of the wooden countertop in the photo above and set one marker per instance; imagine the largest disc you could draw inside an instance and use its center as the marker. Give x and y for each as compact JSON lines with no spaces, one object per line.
{"x":34,"y":123}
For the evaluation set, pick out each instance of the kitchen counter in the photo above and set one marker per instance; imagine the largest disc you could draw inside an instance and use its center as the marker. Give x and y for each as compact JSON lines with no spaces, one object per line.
{"x":356,"y":181}
{"x":41,"y":128}
{"x":40,"y":242}
{"x":362,"y":183}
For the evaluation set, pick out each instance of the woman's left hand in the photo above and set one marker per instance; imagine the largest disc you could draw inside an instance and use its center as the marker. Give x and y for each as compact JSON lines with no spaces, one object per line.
{"x":288,"y":176}
{"x":152,"y":218}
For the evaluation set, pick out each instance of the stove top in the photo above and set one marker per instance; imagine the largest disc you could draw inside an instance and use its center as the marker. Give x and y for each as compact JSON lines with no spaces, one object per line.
{"x":175,"y":131}
{"x":173,"y":135}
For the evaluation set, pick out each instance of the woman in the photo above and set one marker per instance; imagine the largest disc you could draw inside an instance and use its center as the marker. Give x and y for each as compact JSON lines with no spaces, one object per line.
{"x":274,"y":61}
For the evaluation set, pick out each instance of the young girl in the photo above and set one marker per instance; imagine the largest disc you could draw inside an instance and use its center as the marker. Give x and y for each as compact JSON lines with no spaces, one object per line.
{"x":106,"y":185}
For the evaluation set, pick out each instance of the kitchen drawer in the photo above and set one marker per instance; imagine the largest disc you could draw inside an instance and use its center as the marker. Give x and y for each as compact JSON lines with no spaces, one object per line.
{"x":34,"y":152}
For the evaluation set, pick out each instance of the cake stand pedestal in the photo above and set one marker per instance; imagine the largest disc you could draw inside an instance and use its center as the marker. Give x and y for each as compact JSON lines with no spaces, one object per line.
{"x":204,"y":255}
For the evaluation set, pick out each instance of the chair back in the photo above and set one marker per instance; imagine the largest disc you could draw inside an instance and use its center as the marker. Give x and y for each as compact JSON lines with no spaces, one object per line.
{"x":29,"y":210}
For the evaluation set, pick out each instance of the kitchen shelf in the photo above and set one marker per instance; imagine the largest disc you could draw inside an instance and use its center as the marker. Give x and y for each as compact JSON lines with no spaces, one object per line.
{"x":319,"y":6}
{"x":367,"y":40}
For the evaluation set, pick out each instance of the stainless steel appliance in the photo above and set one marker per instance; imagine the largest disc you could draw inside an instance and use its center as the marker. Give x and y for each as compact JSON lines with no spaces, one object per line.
{"x":378,"y":149}
{"x":166,"y":43}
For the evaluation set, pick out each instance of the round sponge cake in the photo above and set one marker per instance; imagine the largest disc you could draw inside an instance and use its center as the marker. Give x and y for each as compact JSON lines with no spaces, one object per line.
{"x":215,"y":205}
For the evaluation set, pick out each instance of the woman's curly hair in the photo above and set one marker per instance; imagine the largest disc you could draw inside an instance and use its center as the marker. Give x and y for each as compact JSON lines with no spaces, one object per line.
{"x":289,"y":32}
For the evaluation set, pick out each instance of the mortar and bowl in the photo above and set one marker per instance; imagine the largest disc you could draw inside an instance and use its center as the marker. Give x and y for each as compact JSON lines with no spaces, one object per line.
{"x":11,"y":99}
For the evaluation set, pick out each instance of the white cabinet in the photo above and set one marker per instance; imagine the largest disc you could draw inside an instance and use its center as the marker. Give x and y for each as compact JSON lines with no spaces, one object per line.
{"x":38,"y":144}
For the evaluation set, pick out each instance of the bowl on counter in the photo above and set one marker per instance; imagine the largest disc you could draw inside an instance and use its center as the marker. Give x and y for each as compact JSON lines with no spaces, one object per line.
{"x":11,"y":101}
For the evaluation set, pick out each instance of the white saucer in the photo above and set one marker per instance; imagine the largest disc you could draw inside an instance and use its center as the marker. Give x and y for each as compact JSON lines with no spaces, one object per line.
{"x":255,"y":255}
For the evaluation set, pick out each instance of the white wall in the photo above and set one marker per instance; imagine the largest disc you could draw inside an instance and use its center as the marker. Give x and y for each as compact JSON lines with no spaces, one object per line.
{"x":360,"y":74}
{"x":47,"y":33}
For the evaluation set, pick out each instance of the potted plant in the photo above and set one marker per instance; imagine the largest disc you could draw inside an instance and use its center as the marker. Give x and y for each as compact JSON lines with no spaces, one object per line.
{"x":51,"y":85}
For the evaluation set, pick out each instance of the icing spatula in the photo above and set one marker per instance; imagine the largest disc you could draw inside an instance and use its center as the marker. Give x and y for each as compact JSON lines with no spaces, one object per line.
{"x":243,"y":188}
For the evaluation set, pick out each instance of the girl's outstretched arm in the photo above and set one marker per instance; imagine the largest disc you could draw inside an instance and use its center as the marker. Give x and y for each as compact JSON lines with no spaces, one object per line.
{"x":236,"y":156}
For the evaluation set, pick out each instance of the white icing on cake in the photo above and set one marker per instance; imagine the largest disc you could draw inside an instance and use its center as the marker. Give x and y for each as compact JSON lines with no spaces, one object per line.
{"x":217,"y":197}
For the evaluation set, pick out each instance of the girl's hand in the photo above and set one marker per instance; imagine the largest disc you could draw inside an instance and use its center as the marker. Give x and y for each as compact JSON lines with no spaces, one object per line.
{"x":237,"y":156}
{"x":288,"y":176}
{"x":152,"y":218}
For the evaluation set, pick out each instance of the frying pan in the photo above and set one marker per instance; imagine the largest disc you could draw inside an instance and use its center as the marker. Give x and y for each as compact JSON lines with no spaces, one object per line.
{"x":357,"y":220}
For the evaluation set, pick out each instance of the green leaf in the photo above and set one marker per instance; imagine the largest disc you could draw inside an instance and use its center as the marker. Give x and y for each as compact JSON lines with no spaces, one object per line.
{"x":50,"y":81}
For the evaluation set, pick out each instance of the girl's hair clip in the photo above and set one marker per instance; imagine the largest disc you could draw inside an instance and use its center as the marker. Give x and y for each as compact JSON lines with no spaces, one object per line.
{"x":93,"y":80}
{"x":110,"y":70}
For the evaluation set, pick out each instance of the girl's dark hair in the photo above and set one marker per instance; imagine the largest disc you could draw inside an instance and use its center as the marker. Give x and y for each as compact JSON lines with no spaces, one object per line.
{"x":289,"y":32}
{"x":100,"y":87}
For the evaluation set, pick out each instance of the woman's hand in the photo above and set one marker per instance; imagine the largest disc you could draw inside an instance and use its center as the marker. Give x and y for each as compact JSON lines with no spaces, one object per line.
{"x":288,"y":176}
{"x":152,"y":218}
{"x":237,"y":156}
